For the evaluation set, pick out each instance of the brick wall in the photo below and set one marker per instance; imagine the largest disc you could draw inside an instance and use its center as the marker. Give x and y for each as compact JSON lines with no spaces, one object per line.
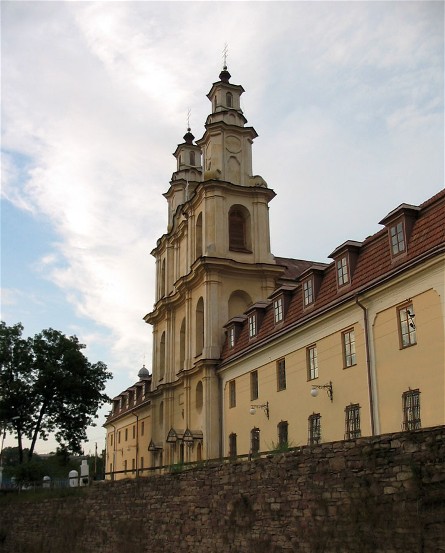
{"x":383,"y":494}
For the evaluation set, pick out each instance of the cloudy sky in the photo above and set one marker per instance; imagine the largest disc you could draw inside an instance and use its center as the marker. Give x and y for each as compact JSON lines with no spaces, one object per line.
{"x":347,"y":99}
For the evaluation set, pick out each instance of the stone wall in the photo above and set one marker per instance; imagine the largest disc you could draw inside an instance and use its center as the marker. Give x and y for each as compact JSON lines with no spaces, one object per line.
{"x":384,"y":494}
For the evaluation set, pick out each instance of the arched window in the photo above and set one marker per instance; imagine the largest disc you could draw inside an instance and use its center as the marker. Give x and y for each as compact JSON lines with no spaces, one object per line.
{"x":162,"y":357}
{"x":192,"y":158}
{"x":162,"y":283}
{"x":199,"y":397}
{"x":198,"y":236}
{"x":229,"y":99}
{"x":238,"y":228}
{"x":182,"y":345}
{"x":239,"y":301}
{"x":214,"y":103}
{"x":199,"y":327}
{"x":199,"y":452}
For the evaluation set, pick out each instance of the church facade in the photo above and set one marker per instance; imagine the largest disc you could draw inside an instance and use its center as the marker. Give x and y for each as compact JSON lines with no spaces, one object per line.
{"x":252,"y":352}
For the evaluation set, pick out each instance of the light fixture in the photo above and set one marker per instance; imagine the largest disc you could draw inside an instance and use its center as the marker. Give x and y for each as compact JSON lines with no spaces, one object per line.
{"x":264,"y":406}
{"x":327,"y":387}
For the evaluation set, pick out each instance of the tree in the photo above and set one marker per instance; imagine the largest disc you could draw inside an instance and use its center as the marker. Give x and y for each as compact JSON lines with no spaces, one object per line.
{"x":47,"y":385}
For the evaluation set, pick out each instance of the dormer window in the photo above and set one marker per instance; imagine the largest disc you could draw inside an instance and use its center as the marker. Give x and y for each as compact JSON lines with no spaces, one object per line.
{"x":400,"y":223}
{"x":252,"y":325}
{"x":278,"y":309}
{"x":345,"y":259}
{"x":342,"y":271}
{"x":308,"y":292}
{"x":231,"y":337}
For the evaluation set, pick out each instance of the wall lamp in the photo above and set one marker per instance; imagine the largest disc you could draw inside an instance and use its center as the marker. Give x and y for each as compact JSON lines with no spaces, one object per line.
{"x":264,"y":406}
{"x":327,"y":387}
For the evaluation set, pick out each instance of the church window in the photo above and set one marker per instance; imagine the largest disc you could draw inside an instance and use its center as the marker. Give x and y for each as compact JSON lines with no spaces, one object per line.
{"x":162,"y":283}
{"x":192,"y":158}
{"x":182,"y":345}
{"x":162,"y":357}
{"x":199,"y":330}
{"x":229,"y":99}
{"x":161,"y":413}
{"x":199,"y":397}
{"x":238,"y":219}
{"x":198,"y":236}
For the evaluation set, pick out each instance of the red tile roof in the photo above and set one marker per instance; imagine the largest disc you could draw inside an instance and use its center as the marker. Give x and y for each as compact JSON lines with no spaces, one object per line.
{"x":374,"y":264}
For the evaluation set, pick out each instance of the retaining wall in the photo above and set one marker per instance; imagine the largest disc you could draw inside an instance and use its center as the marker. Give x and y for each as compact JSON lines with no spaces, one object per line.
{"x":383,"y":494}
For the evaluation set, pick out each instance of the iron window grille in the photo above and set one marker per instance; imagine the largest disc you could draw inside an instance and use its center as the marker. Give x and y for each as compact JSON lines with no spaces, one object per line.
{"x":314,"y":429}
{"x":411,"y":410}
{"x":255,"y":440}
{"x":352,"y":422}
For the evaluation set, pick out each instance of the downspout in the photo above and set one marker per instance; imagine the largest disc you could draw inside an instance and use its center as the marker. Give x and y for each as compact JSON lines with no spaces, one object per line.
{"x":368,"y":364}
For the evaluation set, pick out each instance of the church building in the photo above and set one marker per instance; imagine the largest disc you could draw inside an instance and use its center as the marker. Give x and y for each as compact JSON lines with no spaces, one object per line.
{"x":252,"y":352}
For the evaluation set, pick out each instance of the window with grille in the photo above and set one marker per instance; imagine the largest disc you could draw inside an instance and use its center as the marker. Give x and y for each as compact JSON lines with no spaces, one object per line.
{"x":411,"y":410}
{"x":232,"y":446}
{"x":314,"y":429}
{"x":255,"y":440}
{"x":281,"y":374}
{"x":352,"y":422}
{"x":254,"y":385}
{"x":283,"y":438}
{"x":278,"y":310}
{"x":252,"y":325}
{"x":397,"y":233}
{"x":232,"y":394}
{"x":407,"y":327}
{"x":349,"y":348}
{"x":342,"y":271}
{"x":312,"y":363}
{"x":308,"y":292}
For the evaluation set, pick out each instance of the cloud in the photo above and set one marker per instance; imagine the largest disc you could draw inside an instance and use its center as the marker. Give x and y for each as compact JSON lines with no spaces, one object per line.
{"x":347,"y":99}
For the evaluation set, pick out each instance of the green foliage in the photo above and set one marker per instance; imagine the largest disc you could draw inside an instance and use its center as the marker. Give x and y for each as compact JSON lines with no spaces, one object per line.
{"x":47,"y":385}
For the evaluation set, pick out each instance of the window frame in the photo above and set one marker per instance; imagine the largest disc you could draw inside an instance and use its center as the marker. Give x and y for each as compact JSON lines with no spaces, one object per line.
{"x":314,"y":429}
{"x":348,"y":345}
{"x":411,"y":410}
{"x":281,"y":374}
{"x":278,"y":309}
{"x":397,"y":237}
{"x":232,"y":394}
{"x":255,"y":441}
{"x":231,"y":336}
{"x":233,"y":449}
{"x":254,"y":387}
{"x":283,"y":432}
{"x":312,"y":362}
{"x":308,"y":292}
{"x":252,"y":324}
{"x":406,"y":322}
{"x":342,"y":270}
{"x":352,"y":422}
